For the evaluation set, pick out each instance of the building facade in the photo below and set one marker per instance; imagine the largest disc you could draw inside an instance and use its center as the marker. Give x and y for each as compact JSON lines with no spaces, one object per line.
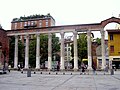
{"x":68,"y":55}
{"x":32,"y":21}
{"x":99,"y":55}
{"x":114,"y":47}
{"x":4,"y":48}
{"x":88,"y":28}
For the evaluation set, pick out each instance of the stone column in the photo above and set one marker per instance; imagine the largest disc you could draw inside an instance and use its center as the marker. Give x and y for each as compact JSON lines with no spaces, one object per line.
{"x":27,"y":52}
{"x":103,"y":48}
{"x":89,"y":50}
{"x":16,"y":52}
{"x":49,"y":51}
{"x":38,"y":51}
{"x":75,"y":51}
{"x":62,"y":67}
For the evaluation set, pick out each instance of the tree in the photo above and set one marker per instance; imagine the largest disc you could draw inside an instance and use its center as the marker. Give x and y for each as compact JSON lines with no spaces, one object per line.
{"x":82,"y":47}
{"x":98,"y":40}
{"x":32,"y":50}
{"x":55,"y":47}
{"x":12,"y":49}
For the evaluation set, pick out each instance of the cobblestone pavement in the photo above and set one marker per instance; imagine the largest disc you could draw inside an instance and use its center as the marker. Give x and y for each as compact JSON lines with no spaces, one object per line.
{"x":60,"y":81}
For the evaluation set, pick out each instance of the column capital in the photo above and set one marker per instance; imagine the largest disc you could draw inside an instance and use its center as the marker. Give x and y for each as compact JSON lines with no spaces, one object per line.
{"x":62,"y":34}
{"x":16,"y":36}
{"x":37,"y":34}
{"x":49,"y":34}
{"x":75,"y":33}
{"x":27,"y":35}
{"x":89,"y":32}
{"x":102,"y":32}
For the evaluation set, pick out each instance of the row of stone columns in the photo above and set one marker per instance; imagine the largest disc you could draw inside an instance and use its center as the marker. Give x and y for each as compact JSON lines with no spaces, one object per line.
{"x":62,"y":51}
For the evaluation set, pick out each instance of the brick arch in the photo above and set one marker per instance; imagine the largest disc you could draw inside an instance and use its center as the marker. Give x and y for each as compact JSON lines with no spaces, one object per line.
{"x":110,"y":20}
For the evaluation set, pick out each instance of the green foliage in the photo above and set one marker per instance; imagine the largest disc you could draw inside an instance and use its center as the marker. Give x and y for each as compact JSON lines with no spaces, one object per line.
{"x":82,"y":47}
{"x":98,"y":40}
{"x":32,"y":50}
{"x":36,"y":16}
{"x":43,"y":48}
{"x":12,"y":49}
{"x":55,"y":47}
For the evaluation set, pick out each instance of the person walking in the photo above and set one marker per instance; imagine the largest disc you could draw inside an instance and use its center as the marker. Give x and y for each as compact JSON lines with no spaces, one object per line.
{"x":94,"y":69}
{"x":83,"y":68}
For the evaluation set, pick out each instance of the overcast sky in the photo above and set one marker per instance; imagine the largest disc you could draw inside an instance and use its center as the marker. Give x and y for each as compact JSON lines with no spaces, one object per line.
{"x":64,"y":12}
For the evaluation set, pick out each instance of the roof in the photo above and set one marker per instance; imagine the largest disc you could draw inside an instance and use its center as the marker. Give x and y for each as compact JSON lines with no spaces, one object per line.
{"x":32,"y":18}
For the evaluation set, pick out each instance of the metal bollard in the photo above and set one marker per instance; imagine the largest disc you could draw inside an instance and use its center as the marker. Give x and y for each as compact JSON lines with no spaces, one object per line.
{"x":112,"y":72}
{"x":28,"y":73}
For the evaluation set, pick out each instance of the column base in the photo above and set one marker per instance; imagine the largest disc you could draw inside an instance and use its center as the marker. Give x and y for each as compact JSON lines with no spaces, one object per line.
{"x":75,"y":70}
{"x":89,"y":68}
{"x":37,"y":69}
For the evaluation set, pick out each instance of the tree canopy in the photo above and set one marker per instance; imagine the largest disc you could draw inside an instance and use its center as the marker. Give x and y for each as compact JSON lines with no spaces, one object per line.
{"x":32,"y":49}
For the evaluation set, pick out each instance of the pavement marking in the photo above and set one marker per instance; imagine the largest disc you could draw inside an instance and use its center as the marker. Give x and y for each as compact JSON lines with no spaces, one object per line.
{"x":116,"y":77}
{"x":63,"y":82}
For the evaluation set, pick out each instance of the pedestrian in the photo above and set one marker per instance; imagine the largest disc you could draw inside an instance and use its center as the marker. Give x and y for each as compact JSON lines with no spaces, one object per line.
{"x":9,"y":67}
{"x":83,"y":68}
{"x":19,"y":67}
{"x":94,"y":69}
{"x":106,"y":68}
{"x":57,"y":67}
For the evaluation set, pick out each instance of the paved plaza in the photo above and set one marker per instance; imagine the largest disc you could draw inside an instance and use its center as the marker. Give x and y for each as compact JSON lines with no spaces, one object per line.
{"x":16,"y":80}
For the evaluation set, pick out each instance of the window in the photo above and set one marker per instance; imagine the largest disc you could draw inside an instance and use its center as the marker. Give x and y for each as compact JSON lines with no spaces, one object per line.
{"x":46,"y":23}
{"x":65,"y":49}
{"x":111,"y":36}
{"x":111,"y":49}
{"x":21,"y":24}
{"x":15,"y":25}
{"x":29,"y":23}
{"x":40,"y":23}
{"x":25,"y":23}
{"x":68,"y":49}
{"x":33,"y":23}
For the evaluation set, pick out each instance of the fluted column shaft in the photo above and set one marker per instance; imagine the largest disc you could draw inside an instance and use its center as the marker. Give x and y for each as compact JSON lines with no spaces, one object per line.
{"x":49,"y":51}
{"x":89,"y":49}
{"x":75,"y":51}
{"x":16,"y":52}
{"x":103,"y":48}
{"x":27,"y":52}
{"x":38,"y":51}
{"x":62,"y":67}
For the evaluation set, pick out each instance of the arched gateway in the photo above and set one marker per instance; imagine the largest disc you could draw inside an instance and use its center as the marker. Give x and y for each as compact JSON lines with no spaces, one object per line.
{"x":62,"y":30}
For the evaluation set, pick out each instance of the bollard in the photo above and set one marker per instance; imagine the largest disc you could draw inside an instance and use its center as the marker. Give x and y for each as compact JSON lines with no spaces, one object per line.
{"x":28,"y":73}
{"x":112,"y":72}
